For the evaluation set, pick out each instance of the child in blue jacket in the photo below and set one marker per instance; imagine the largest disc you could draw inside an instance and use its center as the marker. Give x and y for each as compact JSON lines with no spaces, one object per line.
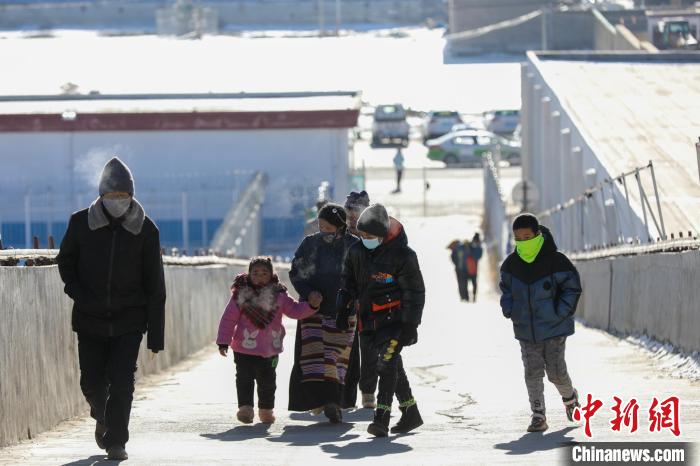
{"x":541,"y":289}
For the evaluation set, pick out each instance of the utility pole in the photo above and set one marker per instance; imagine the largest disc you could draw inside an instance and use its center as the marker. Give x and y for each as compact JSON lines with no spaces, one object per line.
{"x":545,"y":14}
{"x":337,"y":17}
{"x":321,"y":18}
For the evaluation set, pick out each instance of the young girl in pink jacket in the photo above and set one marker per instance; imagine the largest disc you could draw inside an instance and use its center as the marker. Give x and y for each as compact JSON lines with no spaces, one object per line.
{"x":252,"y":326}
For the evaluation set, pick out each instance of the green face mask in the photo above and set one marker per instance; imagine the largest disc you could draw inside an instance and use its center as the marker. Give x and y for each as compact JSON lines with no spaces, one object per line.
{"x":528,"y":250}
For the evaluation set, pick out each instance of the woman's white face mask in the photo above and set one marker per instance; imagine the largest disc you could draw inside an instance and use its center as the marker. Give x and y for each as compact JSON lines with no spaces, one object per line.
{"x":117,"y":207}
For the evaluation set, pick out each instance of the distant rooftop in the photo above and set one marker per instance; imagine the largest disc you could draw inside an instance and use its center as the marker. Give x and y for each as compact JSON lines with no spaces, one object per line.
{"x":95,"y":112}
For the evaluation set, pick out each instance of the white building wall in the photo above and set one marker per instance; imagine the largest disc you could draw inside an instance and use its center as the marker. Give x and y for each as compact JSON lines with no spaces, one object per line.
{"x":163,"y":161}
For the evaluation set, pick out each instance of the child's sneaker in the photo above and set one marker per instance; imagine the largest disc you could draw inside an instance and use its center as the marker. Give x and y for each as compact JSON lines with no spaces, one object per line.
{"x":317,"y":411}
{"x":246,"y":414}
{"x":267,"y":416}
{"x":570,"y":404}
{"x":538,"y":422}
{"x":368,"y":401}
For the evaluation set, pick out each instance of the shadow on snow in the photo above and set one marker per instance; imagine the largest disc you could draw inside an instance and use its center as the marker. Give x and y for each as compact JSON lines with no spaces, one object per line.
{"x":537,"y":441}
{"x":240,"y":433}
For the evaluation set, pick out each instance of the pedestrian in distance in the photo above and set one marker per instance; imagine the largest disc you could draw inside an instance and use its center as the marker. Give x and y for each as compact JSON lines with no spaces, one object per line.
{"x":540,"y":291}
{"x":252,"y":325}
{"x":458,"y":255}
{"x":473,"y":252}
{"x":383,"y":275}
{"x":322,"y":351}
{"x":398,"y":166}
{"x":110,"y":261}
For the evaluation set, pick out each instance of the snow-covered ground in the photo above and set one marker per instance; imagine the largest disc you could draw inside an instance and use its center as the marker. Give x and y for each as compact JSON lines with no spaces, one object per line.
{"x":387,"y":67}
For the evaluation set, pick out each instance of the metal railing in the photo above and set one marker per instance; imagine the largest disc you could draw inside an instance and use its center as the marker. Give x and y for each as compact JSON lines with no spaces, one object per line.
{"x":496,"y":225}
{"x":239,"y":234}
{"x":604,"y":215}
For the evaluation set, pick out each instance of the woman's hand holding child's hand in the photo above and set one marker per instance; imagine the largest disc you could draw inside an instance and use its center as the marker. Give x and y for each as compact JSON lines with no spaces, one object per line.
{"x":223,"y":350}
{"x":315,"y":298}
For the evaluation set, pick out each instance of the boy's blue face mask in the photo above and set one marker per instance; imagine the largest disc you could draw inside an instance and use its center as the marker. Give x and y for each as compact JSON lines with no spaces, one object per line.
{"x":371,"y":243}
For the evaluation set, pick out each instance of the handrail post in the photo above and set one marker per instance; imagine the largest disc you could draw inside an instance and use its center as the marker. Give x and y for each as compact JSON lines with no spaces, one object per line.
{"x":641,"y":200}
{"x":658,"y":201}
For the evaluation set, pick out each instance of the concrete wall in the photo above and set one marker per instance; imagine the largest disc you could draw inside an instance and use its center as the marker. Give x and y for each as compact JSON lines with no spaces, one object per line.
{"x":653,"y":294}
{"x":234,"y":14}
{"x":466,"y":15}
{"x":568,"y":30}
{"x":618,"y":37}
{"x":39,"y":376}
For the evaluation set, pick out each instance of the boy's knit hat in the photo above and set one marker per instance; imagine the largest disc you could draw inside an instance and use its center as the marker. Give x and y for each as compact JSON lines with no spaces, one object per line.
{"x":333,"y":214}
{"x":374,"y":220}
{"x":526,"y":220}
{"x":116,"y":177}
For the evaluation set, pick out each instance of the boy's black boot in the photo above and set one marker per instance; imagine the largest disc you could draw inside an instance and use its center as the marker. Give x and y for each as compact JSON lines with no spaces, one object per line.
{"x":380,"y":426}
{"x":410,"y":419}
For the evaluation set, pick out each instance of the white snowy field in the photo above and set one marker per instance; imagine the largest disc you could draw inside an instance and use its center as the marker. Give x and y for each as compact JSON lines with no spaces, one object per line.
{"x":387,"y":67}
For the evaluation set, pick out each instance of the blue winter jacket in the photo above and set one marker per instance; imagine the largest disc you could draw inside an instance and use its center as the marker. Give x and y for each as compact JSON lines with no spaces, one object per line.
{"x":540,"y":298}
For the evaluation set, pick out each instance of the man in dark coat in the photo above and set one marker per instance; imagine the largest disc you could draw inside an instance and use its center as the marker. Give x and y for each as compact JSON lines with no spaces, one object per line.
{"x":383,"y":275}
{"x":541,"y":289}
{"x":110,"y":261}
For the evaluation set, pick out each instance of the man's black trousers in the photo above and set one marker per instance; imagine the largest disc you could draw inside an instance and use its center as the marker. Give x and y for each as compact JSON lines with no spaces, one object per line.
{"x":107,"y":367}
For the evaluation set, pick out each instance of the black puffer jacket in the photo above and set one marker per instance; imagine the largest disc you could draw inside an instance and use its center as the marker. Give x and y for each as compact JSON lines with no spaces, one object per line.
{"x":386,"y":281}
{"x":318,"y":266}
{"x":115,"y":279}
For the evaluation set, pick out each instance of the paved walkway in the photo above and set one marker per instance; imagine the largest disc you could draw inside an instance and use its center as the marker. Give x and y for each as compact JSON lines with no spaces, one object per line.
{"x":467,"y":377}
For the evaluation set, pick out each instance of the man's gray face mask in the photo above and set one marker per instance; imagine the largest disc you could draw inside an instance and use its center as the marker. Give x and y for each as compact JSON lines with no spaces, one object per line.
{"x":117,"y":207}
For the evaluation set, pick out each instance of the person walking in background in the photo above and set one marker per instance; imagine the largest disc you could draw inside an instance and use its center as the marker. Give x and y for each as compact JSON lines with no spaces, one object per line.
{"x":252,"y":325}
{"x":110,"y":261}
{"x":398,"y":165}
{"x":459,"y":259}
{"x":322,"y":350}
{"x":362,"y":365}
{"x":540,"y":291}
{"x":383,"y":274}
{"x":473,"y":252}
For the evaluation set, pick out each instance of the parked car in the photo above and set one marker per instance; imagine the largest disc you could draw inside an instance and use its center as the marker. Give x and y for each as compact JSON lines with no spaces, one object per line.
{"x":467,"y":148}
{"x":502,"y":121}
{"x":390,"y":125}
{"x":437,"y":124}
{"x":466,"y":126}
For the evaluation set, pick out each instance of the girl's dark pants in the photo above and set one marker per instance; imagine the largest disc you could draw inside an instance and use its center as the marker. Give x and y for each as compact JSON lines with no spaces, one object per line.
{"x":251,"y":370}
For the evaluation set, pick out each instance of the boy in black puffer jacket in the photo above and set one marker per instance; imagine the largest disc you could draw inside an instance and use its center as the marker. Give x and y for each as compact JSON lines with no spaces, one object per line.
{"x":541,"y":289}
{"x":383,"y":275}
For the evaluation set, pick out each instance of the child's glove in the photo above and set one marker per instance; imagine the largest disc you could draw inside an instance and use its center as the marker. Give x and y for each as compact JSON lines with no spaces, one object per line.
{"x":315,"y":299}
{"x":343,"y":304}
{"x":409,"y":334}
{"x":223,"y":350}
